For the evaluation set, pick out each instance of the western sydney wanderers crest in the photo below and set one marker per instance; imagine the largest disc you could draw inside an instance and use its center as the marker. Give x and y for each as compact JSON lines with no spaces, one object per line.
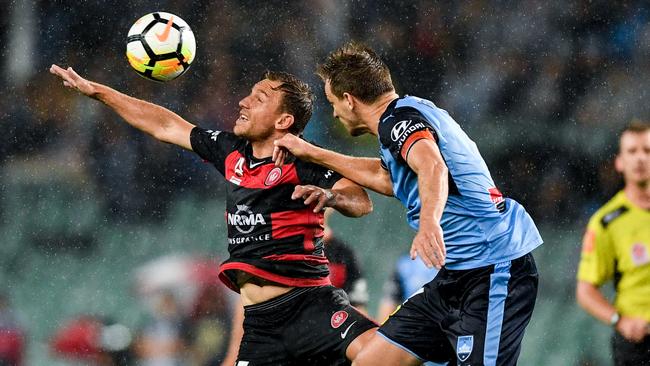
{"x":464,"y":347}
{"x":273,"y":177}
{"x":338,"y":318}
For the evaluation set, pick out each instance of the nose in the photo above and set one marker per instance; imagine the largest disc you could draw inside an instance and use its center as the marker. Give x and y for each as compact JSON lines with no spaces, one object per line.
{"x":243,"y":103}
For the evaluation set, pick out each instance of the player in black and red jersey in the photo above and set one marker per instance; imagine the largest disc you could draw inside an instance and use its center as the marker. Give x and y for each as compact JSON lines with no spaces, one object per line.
{"x":293,"y":316}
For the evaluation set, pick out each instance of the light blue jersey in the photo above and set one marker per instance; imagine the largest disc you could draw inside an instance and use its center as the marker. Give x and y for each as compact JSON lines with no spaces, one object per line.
{"x":480,"y":226}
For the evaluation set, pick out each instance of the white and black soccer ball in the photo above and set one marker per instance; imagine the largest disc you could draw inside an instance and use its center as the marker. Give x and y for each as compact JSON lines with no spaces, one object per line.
{"x":160,"y":46}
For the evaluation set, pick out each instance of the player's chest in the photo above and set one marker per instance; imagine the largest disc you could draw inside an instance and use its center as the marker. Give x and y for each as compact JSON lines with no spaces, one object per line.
{"x":632,"y":243}
{"x":242,"y":172}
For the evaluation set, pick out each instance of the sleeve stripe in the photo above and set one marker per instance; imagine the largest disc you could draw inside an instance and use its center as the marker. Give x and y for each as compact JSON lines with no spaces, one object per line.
{"x":416,"y":136}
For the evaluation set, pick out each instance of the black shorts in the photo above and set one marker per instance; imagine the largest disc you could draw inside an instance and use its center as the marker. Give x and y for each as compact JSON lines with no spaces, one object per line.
{"x":306,"y":326}
{"x":468,"y":317}
{"x":627,"y":353}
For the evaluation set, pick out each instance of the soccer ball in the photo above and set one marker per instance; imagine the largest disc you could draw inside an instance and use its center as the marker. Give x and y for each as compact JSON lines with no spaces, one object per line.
{"x":160,"y":46}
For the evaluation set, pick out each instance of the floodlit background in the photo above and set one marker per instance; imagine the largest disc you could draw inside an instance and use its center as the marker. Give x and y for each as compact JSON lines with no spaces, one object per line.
{"x":88,"y":204}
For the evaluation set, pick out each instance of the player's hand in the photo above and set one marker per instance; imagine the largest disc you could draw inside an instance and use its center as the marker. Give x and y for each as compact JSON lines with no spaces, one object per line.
{"x":430,"y":246}
{"x":290,"y":144}
{"x":73,"y":81}
{"x":313,"y":195}
{"x":632,"y":329}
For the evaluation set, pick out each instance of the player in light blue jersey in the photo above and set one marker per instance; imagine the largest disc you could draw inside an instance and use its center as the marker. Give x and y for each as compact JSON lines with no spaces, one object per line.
{"x":477,"y":308}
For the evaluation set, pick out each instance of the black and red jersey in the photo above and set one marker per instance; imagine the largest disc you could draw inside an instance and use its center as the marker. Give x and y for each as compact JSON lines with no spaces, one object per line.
{"x":270,"y":235}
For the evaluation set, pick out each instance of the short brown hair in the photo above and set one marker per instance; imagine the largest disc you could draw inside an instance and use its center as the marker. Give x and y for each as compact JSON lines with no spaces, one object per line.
{"x":297,"y":99}
{"x":356,"y":69}
{"x":636,"y":126}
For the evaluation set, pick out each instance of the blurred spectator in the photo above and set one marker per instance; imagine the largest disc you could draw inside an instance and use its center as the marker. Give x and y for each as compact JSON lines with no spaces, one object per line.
{"x":159,"y":342}
{"x":408,"y":277}
{"x":345,"y":268}
{"x":94,"y":341}
{"x":191,"y":310}
{"x":12,"y":336}
{"x":208,"y":326}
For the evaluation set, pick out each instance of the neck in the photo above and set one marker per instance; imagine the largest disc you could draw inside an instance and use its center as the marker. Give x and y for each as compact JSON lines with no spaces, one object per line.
{"x":264,"y":148}
{"x":374,"y":111}
{"x":639,"y":194}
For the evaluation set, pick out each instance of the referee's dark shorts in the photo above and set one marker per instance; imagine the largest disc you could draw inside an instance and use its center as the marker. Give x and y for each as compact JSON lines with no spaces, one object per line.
{"x":468,"y":317}
{"x":628,"y":353}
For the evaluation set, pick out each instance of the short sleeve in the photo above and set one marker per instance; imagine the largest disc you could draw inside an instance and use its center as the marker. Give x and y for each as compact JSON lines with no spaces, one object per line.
{"x":598,"y":258}
{"x":214,"y":146}
{"x":382,"y":162}
{"x":399,"y":131}
{"x":317,"y":175}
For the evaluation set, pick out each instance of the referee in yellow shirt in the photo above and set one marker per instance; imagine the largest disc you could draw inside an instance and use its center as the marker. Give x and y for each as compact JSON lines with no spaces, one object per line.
{"x":616,"y":246}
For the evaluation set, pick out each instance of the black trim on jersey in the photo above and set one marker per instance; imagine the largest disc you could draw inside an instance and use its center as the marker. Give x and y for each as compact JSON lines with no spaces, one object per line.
{"x":617,"y":275}
{"x":390,"y":118}
{"x":613,"y":215}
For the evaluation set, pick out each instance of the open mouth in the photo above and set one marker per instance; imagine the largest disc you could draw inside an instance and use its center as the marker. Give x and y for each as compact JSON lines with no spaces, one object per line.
{"x":242,"y":118}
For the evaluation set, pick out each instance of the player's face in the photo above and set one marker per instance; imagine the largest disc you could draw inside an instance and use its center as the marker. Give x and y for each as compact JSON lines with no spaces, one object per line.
{"x":633,"y":160}
{"x":343,"y":112}
{"x":259,"y":111}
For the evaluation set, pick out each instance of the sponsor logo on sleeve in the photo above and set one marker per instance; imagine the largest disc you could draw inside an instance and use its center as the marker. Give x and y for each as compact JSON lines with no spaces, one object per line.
{"x":589,"y":241}
{"x":345,"y":332}
{"x":213,"y":134}
{"x":497,"y":198}
{"x":403,"y":129}
{"x":399,"y":129}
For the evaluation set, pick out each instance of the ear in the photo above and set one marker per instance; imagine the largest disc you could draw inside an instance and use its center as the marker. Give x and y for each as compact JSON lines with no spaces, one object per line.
{"x":618,"y":163}
{"x":350,"y":100}
{"x":284,"y":122}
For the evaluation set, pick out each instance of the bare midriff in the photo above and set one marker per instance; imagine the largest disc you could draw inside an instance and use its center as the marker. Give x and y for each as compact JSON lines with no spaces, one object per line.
{"x":255,"y":290}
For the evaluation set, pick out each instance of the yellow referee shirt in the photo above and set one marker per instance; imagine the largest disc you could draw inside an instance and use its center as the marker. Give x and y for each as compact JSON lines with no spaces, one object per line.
{"x":617,"y":246}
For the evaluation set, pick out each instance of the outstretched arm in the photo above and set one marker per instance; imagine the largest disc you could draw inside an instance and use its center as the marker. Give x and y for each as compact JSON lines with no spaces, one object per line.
{"x":153,"y":119}
{"x":366,"y":172}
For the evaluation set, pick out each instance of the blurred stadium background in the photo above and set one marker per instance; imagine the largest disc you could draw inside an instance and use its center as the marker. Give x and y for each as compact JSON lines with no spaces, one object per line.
{"x":542,"y":86}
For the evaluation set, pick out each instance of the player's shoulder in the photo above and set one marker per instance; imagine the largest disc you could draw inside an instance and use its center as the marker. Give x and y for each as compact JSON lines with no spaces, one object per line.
{"x":396,"y":112}
{"x":218,"y":137}
{"x":611,"y":211}
{"x":399,"y":119}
